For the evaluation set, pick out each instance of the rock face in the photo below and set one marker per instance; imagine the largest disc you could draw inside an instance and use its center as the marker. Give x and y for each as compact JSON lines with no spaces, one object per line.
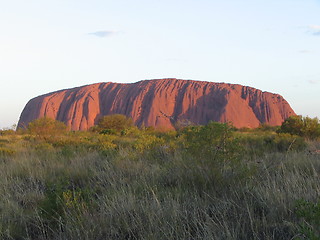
{"x":161,"y":103}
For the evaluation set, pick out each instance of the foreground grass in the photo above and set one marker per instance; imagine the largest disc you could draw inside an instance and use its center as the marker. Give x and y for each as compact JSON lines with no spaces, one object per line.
{"x":107,"y":187}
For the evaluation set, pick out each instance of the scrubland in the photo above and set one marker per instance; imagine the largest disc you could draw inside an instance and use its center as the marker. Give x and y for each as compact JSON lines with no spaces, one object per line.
{"x":200,"y":182}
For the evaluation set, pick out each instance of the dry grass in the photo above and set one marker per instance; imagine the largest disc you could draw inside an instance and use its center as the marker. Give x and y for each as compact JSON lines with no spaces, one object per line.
{"x":158,"y":192}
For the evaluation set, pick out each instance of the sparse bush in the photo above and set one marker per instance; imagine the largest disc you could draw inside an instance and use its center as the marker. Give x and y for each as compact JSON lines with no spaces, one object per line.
{"x":7,"y":132}
{"x":108,"y":131}
{"x":266,"y":128}
{"x":44,"y":146}
{"x":61,"y":196}
{"x":147,"y":142}
{"x":116,"y":122}
{"x":309,"y":213}
{"x":302,"y":126}
{"x":259,"y":143}
{"x":286,"y":142}
{"x":214,"y":140}
{"x":46,"y":127}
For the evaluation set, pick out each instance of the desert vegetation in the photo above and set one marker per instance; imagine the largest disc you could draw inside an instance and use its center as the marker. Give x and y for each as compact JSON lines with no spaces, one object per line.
{"x":199,"y":182}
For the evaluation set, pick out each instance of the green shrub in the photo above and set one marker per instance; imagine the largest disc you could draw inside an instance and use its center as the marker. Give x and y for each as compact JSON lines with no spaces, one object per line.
{"x":258,"y":143}
{"x":108,"y":131}
{"x":61,"y":197}
{"x":213,"y":140}
{"x":309,"y":213}
{"x":302,"y":126}
{"x":267,"y":128}
{"x":147,"y":142}
{"x":44,"y":127}
{"x":116,"y":122}
{"x":7,"y":132}
{"x":286,"y":142}
{"x":44,"y":146}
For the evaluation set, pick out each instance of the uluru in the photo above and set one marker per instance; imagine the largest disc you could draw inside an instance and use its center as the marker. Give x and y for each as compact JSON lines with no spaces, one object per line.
{"x":160,"y":103}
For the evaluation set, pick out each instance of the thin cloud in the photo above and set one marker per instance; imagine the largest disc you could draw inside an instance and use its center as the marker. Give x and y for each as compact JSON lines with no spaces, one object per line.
{"x":314,"y":30}
{"x":304,"y":51}
{"x":316,"y":27}
{"x":102,"y":34}
{"x":313,"y":81}
{"x":174,"y":59}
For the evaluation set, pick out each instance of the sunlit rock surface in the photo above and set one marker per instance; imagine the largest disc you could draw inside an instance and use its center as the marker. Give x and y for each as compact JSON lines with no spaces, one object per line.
{"x":161,"y":103}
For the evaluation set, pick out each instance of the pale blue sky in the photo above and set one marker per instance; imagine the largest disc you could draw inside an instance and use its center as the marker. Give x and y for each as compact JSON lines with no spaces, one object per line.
{"x":47,"y":45}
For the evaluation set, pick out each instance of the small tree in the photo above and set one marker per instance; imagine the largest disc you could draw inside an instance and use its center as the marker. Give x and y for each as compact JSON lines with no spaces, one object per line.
{"x":46,"y":126}
{"x":116,"y":122}
{"x":302,"y":126}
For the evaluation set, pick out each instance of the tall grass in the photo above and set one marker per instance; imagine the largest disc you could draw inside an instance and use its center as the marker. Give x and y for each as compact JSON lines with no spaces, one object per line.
{"x":135,"y":187}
